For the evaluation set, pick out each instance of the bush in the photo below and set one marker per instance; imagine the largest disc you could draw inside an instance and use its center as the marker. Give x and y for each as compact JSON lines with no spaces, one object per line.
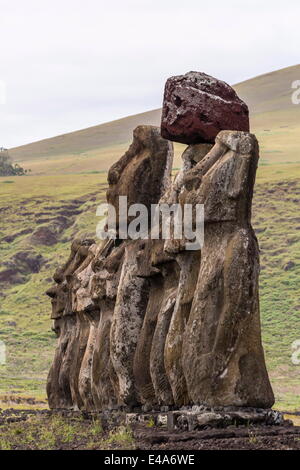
{"x":7,"y":168}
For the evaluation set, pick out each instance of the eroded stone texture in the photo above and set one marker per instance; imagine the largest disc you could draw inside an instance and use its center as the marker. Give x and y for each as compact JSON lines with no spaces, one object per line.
{"x":223,"y":358}
{"x":148,"y":324}
{"x":62,"y":387}
{"x":189,"y":263}
{"x":100,"y":300}
{"x":143,"y":173}
{"x":129,"y":312}
{"x":197,"y":107}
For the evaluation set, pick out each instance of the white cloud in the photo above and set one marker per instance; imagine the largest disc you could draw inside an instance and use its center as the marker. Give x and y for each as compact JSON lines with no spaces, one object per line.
{"x":69,"y":64}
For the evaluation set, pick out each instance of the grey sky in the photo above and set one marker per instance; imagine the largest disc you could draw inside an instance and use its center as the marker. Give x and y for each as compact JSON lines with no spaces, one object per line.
{"x":70,"y":64}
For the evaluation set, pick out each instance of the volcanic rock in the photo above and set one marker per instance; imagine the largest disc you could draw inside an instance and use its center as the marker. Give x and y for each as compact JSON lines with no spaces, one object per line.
{"x":197,"y":107}
{"x":142,"y":173}
{"x":222,"y":351}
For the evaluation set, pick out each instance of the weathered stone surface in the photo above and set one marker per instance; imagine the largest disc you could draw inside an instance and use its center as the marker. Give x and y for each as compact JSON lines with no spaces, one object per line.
{"x":197,"y":107}
{"x":62,"y":383}
{"x":195,"y":153}
{"x":206,"y":418}
{"x":143,"y":381}
{"x":190,"y":420}
{"x":147,"y":324}
{"x":158,"y":372}
{"x":129,"y":312}
{"x":222,"y":350}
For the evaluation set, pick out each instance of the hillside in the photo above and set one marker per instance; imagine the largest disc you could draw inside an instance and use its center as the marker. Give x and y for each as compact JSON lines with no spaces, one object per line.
{"x":274,"y":119}
{"x":43,"y":212}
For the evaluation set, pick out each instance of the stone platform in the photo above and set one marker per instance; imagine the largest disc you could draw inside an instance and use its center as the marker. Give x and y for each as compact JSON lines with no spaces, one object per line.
{"x":199,"y":417}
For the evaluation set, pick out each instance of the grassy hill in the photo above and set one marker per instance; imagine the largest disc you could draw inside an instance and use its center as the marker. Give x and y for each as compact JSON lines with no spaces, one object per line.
{"x":274,"y":119}
{"x":41,"y":213}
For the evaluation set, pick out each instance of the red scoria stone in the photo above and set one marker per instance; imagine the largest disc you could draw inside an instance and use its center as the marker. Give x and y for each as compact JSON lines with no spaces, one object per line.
{"x":197,"y":107}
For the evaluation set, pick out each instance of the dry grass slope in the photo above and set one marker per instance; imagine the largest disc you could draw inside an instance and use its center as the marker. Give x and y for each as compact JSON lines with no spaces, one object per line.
{"x":274,"y":119}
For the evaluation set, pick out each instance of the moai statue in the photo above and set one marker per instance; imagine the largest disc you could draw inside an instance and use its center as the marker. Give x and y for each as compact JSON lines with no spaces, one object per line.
{"x":172,"y":273}
{"x":222,"y":353}
{"x":143,"y":175}
{"x":213,"y":352}
{"x":152,"y":322}
{"x":61,"y":388}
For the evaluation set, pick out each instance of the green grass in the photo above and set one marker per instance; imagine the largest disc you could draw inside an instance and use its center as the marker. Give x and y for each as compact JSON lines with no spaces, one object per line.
{"x":42,"y":432}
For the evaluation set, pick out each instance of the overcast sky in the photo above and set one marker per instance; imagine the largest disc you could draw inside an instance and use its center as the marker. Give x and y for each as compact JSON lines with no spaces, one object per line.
{"x":70,"y":64}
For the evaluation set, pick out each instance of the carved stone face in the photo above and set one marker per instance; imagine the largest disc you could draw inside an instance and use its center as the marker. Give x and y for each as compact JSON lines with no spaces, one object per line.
{"x":223,"y":181}
{"x":61,"y":293}
{"x":143,"y":171}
